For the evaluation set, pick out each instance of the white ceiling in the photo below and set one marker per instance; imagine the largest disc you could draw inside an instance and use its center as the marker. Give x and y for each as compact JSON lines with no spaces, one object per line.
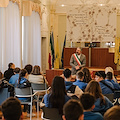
{"x":76,"y":2}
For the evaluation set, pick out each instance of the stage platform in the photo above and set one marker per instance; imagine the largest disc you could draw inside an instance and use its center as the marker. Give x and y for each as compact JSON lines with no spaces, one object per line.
{"x":50,"y":74}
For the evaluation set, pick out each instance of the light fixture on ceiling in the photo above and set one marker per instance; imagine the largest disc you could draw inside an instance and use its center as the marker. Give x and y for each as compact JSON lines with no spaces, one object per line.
{"x":62,"y":5}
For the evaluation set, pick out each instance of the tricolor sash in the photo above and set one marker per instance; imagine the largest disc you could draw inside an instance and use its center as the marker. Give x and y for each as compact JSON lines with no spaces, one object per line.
{"x":77,"y":59}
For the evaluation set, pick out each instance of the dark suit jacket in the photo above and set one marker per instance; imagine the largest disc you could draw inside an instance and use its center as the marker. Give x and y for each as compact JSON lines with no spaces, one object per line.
{"x":74,"y":63}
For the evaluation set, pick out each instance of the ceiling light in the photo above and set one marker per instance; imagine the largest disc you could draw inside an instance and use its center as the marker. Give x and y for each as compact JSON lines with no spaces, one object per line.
{"x":62,"y":5}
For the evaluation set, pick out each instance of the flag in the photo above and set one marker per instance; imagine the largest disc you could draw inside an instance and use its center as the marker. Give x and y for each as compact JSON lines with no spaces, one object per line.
{"x":63,"y":51}
{"x":49,"y":61}
{"x":52,"y":48}
{"x":116,"y":55}
{"x":57,"y":56}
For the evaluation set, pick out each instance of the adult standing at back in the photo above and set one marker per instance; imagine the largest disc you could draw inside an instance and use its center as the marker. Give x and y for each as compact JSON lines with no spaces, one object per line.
{"x":78,"y":60}
{"x":8,"y":73}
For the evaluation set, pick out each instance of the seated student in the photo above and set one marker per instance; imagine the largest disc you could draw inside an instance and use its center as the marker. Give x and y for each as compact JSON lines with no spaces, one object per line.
{"x":87,"y":75}
{"x":80,"y":76}
{"x":72,"y":90}
{"x":58,"y":96}
{"x":14,"y":77}
{"x":36,"y":76}
{"x":87,"y":100}
{"x":8,"y":73}
{"x":29,"y":68}
{"x":102,"y":103}
{"x":11,"y":109}
{"x":113,"y":113}
{"x":106,"y":86}
{"x":109,"y":77}
{"x":73,"y":110}
{"x":22,"y":82}
{"x":110,"y":69}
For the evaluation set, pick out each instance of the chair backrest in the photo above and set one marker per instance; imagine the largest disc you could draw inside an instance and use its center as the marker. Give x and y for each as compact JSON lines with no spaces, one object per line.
{"x":23,"y":91}
{"x":36,"y":86}
{"x":117,"y":94}
{"x":51,"y":113}
{"x":4,"y":94}
{"x":110,"y":96}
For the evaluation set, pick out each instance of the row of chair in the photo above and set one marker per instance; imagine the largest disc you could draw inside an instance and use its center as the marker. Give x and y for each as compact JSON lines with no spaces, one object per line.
{"x":30,"y":92}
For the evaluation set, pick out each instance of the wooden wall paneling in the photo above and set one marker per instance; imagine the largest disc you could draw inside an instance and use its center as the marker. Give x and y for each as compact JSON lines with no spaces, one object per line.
{"x":100,"y":57}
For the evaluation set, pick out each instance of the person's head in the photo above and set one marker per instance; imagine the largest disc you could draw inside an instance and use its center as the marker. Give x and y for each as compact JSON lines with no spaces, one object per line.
{"x":11,"y":109}
{"x":113,"y":113}
{"x":58,"y":93}
{"x":87,"y":75}
{"x":109,"y":76}
{"x":99,"y":76}
{"x":36,"y":70}
{"x":79,"y":50}
{"x":58,"y":85}
{"x":80,"y":75}
{"x":73,"y":110}
{"x":23,"y":74}
{"x":67,"y":73}
{"x":29,"y":68}
{"x":11,"y":66}
{"x":109,"y":69}
{"x":93,"y":88}
{"x":1,"y":75}
{"x":16,"y":70}
{"x":87,"y":100}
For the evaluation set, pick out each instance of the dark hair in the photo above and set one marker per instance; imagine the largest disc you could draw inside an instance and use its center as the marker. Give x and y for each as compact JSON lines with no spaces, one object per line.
{"x":67,"y":73}
{"x":22,"y":74}
{"x":9,"y":65}
{"x":29,"y":68}
{"x":16,"y":70}
{"x":87,"y":100}
{"x":80,"y":48}
{"x":113,"y":113}
{"x":1,"y":75}
{"x":36,"y":70}
{"x":94,"y":88}
{"x":101,"y":74}
{"x":80,"y":74}
{"x":72,"y":110}
{"x":87,"y":75}
{"x":11,"y":109}
{"x":57,"y":97}
{"x":109,"y":75}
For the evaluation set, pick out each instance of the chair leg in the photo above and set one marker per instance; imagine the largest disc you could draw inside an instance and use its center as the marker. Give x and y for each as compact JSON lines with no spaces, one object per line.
{"x":31,"y":111}
{"x":38,"y":106}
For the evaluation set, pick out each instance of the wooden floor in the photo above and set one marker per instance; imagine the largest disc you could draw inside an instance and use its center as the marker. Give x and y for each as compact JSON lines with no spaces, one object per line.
{"x":25,"y":116}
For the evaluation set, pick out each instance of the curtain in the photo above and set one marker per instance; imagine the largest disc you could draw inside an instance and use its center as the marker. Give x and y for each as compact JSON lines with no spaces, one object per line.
{"x":10,"y":44}
{"x":31,"y":39}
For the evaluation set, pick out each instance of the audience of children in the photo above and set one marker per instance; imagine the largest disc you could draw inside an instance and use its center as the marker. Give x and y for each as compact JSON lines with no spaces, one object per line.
{"x":109,"y":77}
{"x":102,"y":103}
{"x":8,"y":73}
{"x":36,"y":76}
{"x":72,"y":90}
{"x":93,"y":100}
{"x":87,"y":100}
{"x":79,"y":82}
{"x":106,"y":86}
{"x":57,"y":96}
{"x":15,"y":76}
{"x":73,"y":110}
{"x":87,"y":75}
{"x":11,"y":109}
{"x":113,"y":113}
{"x":109,"y":69}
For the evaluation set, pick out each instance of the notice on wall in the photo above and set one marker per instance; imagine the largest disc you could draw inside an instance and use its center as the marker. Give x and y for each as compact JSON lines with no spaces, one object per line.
{"x":91,"y":23}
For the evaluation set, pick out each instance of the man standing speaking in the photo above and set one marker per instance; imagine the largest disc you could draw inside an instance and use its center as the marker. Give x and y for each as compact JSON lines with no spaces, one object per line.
{"x":77,"y":60}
